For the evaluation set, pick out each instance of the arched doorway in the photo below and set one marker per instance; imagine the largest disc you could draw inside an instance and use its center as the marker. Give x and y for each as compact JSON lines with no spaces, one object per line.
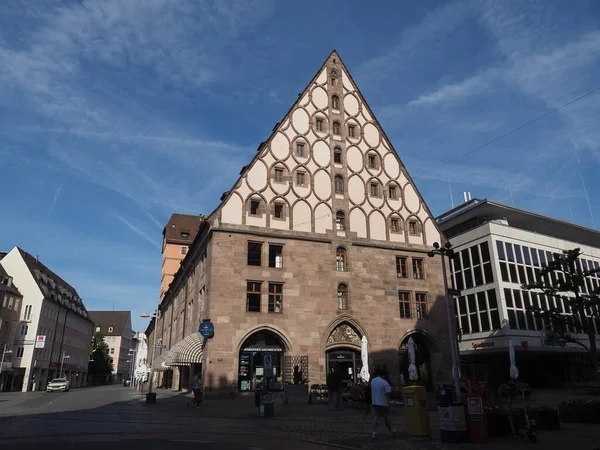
{"x":423,"y":349}
{"x":252,"y":373}
{"x":342,"y":350}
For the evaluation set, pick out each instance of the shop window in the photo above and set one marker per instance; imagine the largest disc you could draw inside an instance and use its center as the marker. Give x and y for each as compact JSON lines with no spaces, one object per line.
{"x":342,"y":296}
{"x":253,"y":296}
{"x":254,"y":253}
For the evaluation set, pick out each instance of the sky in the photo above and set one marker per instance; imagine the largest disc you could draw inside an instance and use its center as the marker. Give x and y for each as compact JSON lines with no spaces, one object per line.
{"x":115,"y":114}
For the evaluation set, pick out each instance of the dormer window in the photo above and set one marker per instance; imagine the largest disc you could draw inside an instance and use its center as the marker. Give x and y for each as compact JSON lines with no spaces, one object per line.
{"x":185,"y":235}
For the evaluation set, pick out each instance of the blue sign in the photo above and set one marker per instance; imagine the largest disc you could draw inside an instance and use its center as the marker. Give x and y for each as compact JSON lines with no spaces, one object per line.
{"x":268,"y":361}
{"x":207,"y":329}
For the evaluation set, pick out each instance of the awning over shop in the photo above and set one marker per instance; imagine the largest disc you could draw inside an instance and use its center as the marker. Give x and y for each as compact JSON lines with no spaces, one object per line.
{"x":159,"y":363}
{"x":187,"y":351}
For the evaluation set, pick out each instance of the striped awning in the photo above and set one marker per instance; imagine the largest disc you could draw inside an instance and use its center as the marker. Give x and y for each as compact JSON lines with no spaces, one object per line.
{"x":187,"y":351}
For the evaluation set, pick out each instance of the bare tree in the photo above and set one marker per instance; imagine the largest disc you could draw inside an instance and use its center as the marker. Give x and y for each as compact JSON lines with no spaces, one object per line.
{"x":566,"y":279}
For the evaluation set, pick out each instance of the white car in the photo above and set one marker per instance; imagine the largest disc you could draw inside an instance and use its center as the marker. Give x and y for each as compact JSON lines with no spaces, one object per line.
{"x":58,"y":384}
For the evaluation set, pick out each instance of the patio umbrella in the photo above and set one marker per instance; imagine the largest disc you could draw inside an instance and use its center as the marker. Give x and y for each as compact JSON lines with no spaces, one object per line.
{"x":514,"y":372}
{"x":413,"y":374}
{"x":364,"y":356}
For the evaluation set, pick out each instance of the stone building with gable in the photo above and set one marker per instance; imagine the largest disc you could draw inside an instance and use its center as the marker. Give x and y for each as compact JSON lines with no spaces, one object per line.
{"x":322,"y":240}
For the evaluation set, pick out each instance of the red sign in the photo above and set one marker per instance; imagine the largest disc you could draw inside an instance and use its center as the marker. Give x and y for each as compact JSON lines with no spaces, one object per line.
{"x":482,"y":345}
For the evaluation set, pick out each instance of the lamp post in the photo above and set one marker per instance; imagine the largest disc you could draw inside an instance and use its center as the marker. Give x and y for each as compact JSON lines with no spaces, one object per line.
{"x":446,"y":251}
{"x":151,"y":379}
{"x":132,"y":354}
{"x":62,"y":360}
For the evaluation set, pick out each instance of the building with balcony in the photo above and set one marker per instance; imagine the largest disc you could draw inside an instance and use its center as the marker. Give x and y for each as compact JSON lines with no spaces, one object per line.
{"x":499,"y":248}
{"x":321,"y":241}
{"x":57,"y":329}
{"x":116,"y":328}
{"x":13,"y":325}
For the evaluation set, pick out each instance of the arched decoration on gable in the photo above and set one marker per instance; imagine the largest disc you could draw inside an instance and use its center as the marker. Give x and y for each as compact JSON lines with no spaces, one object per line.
{"x":349,"y":340}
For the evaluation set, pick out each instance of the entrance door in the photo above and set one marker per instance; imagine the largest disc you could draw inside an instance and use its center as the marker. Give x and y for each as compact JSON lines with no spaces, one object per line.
{"x":349,"y":362}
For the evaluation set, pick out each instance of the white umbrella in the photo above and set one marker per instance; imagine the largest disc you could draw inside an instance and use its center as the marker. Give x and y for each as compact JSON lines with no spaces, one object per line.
{"x":364,"y":356}
{"x":413,"y":374}
{"x":514,"y":372}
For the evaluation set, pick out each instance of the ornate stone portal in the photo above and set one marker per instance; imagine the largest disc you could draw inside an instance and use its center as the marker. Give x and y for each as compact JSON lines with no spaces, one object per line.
{"x":344,"y":334}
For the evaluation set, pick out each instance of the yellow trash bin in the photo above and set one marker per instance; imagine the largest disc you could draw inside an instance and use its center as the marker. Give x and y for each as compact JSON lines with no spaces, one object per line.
{"x":416,"y":413}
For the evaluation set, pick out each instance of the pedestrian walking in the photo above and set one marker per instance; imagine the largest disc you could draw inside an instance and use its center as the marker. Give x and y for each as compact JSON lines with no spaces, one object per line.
{"x":380,"y":393}
{"x":197,"y":390}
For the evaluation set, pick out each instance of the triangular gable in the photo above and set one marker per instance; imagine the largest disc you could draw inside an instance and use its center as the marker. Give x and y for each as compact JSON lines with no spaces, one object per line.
{"x":296,"y":183}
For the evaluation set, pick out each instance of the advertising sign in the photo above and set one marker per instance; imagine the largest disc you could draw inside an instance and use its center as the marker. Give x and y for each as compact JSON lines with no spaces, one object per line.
{"x":206,"y":329}
{"x":40,"y":341}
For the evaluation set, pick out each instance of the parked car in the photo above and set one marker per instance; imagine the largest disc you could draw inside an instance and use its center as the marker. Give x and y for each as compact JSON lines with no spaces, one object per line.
{"x":58,"y":384}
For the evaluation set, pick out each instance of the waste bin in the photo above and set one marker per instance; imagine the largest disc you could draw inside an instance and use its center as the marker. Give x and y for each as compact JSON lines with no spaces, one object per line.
{"x":416,"y":413}
{"x":266,"y":404}
{"x":453,"y":425}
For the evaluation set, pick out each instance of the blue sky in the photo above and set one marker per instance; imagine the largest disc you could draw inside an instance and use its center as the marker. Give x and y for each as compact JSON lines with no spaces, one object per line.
{"x":116,"y":113}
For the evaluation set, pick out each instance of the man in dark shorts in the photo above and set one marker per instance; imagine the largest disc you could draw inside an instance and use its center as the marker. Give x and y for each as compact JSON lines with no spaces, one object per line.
{"x":380,"y":392}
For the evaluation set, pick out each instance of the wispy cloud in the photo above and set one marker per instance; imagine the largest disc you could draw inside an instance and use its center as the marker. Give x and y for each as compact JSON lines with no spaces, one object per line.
{"x":137,"y":231}
{"x":54,"y":200}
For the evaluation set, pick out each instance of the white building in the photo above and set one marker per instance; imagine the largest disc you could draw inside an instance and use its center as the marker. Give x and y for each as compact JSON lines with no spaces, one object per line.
{"x":499,"y":248}
{"x":58,"y":331}
{"x":141,"y":356}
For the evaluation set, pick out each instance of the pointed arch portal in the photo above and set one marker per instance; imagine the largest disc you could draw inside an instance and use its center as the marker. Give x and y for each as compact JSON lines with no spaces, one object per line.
{"x":342,"y":352}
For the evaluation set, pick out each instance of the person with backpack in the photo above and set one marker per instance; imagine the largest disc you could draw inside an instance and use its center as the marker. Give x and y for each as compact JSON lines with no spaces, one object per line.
{"x":380,"y":390}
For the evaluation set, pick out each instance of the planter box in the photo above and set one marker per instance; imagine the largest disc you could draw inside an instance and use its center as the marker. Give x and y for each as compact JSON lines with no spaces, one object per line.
{"x":295,"y":393}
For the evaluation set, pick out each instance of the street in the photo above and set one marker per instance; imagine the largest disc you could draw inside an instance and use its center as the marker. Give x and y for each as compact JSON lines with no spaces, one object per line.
{"x":92,"y":416}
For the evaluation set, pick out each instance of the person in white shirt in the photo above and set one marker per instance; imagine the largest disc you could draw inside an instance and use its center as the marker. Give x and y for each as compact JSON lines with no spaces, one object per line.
{"x":380,"y":391}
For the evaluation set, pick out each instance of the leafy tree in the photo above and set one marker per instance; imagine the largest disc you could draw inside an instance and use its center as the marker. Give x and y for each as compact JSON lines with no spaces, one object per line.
{"x":99,"y":358}
{"x":565,"y":278}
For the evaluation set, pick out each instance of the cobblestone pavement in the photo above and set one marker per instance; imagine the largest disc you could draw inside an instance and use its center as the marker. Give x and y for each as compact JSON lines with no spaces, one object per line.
{"x":114,"y":410}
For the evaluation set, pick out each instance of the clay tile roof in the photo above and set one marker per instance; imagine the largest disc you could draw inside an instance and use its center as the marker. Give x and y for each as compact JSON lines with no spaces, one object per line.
{"x":115,"y":319}
{"x":182,"y":228}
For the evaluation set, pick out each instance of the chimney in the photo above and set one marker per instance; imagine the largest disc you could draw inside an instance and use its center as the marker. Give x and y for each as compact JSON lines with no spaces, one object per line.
{"x":465,"y":197}
{"x":37,"y":260}
{"x":469,"y":194}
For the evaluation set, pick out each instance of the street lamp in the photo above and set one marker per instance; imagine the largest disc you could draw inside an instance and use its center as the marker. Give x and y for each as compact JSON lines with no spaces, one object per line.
{"x":62,"y":360}
{"x":446,"y":251}
{"x":151,"y":379}
{"x":132,"y":353}
{"x":4,"y":352}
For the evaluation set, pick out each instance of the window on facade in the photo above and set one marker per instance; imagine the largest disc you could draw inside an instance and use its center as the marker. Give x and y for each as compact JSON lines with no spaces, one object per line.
{"x":24,"y":330}
{"x":253,"y":294}
{"x":255,"y":207}
{"x":340,"y":221}
{"x":352,"y":130}
{"x":278,"y":175}
{"x":112,"y":351}
{"x":404,"y":303}
{"x":10,"y":302}
{"x":374,"y":190}
{"x":300,"y":149}
{"x":336,"y":128}
{"x":413,"y":227}
{"x":254,"y":253}
{"x":342,"y":295}
{"x":421,"y":305}
{"x":337,"y":155}
{"x":395,"y":225}
{"x":278,"y":211}
{"x":418,"y":271}
{"x":372,"y":161}
{"x":184,"y":250}
{"x":20,"y":351}
{"x":300,"y":178}
{"x":276,"y":256}
{"x":339,"y":184}
{"x":402,"y":266}
{"x":333,"y":78}
{"x":275,"y":297}
{"x":17,"y":304}
{"x":110,"y":329}
{"x":319,"y":124}
{"x":393,"y":195}
{"x":340,"y":259}
{"x":185,"y":235}
{"x":335,"y":102}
